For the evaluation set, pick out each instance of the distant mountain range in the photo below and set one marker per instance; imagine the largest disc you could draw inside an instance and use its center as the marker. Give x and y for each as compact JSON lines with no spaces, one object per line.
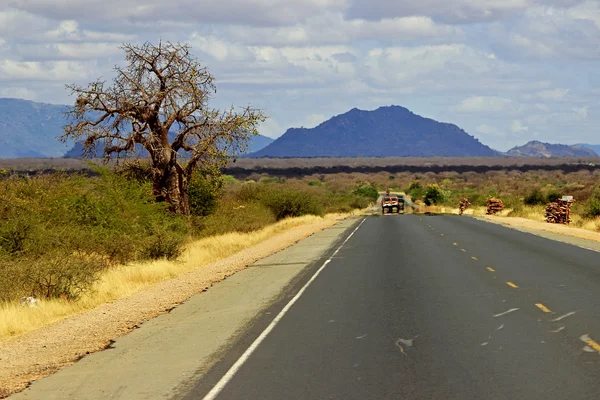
{"x":30,"y":129}
{"x":386,"y":131}
{"x":255,"y":144}
{"x":547,"y":150}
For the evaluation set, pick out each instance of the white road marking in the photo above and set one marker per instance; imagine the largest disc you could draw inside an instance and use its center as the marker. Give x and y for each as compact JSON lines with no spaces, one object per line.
{"x":361,"y":337}
{"x":558,"y":330}
{"x":564,"y":316}
{"x":506,"y":312}
{"x":244,"y":357}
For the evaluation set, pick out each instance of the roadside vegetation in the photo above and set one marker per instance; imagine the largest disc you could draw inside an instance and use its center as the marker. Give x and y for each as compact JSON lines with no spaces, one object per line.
{"x":60,"y":233}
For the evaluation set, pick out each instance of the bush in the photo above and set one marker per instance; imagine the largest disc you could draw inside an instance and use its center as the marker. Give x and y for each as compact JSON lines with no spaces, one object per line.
{"x":202,"y":193}
{"x":287,"y":202}
{"x":369,"y":191}
{"x":231,"y":216}
{"x":553,"y":196}
{"x":416,"y":191}
{"x":592,"y":209}
{"x":58,"y":232}
{"x":434,"y":195}
{"x":535,"y":197}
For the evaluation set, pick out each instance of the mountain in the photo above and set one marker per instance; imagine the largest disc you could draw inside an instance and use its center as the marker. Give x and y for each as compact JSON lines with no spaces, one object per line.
{"x":255,"y":143}
{"x":594,"y":147}
{"x":547,"y":150}
{"x":384,"y":132}
{"x":30,"y":129}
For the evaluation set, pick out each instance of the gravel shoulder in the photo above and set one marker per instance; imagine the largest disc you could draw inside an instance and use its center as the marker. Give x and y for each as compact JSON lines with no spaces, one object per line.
{"x":38,"y":354}
{"x":562,"y":233}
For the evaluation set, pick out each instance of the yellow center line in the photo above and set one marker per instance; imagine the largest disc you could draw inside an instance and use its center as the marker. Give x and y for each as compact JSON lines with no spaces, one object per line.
{"x":454,"y":244}
{"x":512,"y":285}
{"x":594,"y":345}
{"x":474,"y":258}
{"x":490,"y":269}
{"x":543,"y":307}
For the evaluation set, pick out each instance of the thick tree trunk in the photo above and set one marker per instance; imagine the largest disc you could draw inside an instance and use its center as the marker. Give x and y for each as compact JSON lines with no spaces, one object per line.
{"x":172,"y":188}
{"x":170,"y":184}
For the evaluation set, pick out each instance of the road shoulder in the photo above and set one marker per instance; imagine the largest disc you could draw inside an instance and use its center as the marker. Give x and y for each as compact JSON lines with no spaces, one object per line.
{"x":576,"y":236}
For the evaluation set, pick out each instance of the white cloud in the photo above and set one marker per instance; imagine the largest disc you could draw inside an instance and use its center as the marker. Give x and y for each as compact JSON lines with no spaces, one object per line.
{"x":457,"y":11}
{"x":581,"y":112}
{"x":484,"y":104}
{"x":271,"y":128}
{"x":332,"y":28}
{"x":517,"y":127}
{"x":487,"y":129}
{"x":313,"y":120}
{"x":62,"y":71}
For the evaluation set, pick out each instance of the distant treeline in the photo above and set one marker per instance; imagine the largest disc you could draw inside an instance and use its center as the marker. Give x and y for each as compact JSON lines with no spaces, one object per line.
{"x":293,"y":172}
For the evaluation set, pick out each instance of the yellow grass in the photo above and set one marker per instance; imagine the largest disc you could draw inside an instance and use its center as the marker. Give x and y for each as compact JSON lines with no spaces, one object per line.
{"x":126,"y":280}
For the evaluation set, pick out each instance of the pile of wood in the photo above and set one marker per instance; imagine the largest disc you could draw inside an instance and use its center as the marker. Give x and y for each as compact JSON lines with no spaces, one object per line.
{"x":494,"y":205}
{"x":559,"y":212}
{"x":464,"y":204}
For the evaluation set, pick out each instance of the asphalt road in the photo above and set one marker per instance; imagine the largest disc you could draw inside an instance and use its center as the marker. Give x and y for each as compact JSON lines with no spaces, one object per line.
{"x":429,"y":307}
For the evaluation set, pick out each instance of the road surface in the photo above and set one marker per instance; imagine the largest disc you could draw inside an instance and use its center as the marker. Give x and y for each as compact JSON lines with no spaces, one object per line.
{"x":428,"y":307}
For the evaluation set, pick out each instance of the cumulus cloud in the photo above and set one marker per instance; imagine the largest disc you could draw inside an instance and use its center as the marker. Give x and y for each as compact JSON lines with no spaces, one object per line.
{"x":457,"y":11}
{"x":581,"y":112}
{"x":333,"y":28}
{"x":125,"y":13}
{"x":517,"y":127}
{"x":487,"y":129}
{"x":484,"y":104}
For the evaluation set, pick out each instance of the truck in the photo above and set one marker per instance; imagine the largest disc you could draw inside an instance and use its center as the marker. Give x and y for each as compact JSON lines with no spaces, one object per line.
{"x":391,"y":203}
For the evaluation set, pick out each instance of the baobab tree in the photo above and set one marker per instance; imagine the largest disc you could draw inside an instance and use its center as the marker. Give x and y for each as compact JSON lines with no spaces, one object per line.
{"x":159,"y":100}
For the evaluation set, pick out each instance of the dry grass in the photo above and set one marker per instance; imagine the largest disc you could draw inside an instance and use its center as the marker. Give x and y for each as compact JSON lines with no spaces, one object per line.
{"x":126,"y":280}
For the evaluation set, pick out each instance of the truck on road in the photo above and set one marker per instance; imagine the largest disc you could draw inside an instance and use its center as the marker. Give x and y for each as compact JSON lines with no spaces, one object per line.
{"x":391,"y":203}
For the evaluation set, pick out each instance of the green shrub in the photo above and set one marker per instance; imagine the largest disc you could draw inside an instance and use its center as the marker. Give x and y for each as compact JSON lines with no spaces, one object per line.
{"x":285,"y":203}
{"x":434,"y":195}
{"x":202,"y":192}
{"x":553,"y":196}
{"x":231,"y":216}
{"x":535,"y":197}
{"x":369,"y":191}
{"x":416,"y":191}
{"x":592,"y":208}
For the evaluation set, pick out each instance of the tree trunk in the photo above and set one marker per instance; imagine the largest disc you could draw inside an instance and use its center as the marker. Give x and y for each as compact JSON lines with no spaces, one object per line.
{"x":170,"y":185}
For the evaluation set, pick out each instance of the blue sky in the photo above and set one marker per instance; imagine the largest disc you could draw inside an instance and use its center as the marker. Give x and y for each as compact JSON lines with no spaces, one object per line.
{"x":506,"y":71}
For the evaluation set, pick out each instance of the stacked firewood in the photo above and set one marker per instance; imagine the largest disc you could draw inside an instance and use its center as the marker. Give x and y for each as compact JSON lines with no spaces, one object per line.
{"x":464,"y":204}
{"x":494,"y":205}
{"x":559,"y":212}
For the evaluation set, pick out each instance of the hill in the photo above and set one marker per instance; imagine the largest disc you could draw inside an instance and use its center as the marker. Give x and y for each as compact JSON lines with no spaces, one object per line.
{"x":546,"y":150}
{"x":30,"y":129}
{"x":385,"y":132}
{"x":594,"y":147}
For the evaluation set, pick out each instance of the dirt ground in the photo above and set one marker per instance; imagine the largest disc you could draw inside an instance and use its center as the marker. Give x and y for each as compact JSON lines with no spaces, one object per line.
{"x":40,"y":353}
